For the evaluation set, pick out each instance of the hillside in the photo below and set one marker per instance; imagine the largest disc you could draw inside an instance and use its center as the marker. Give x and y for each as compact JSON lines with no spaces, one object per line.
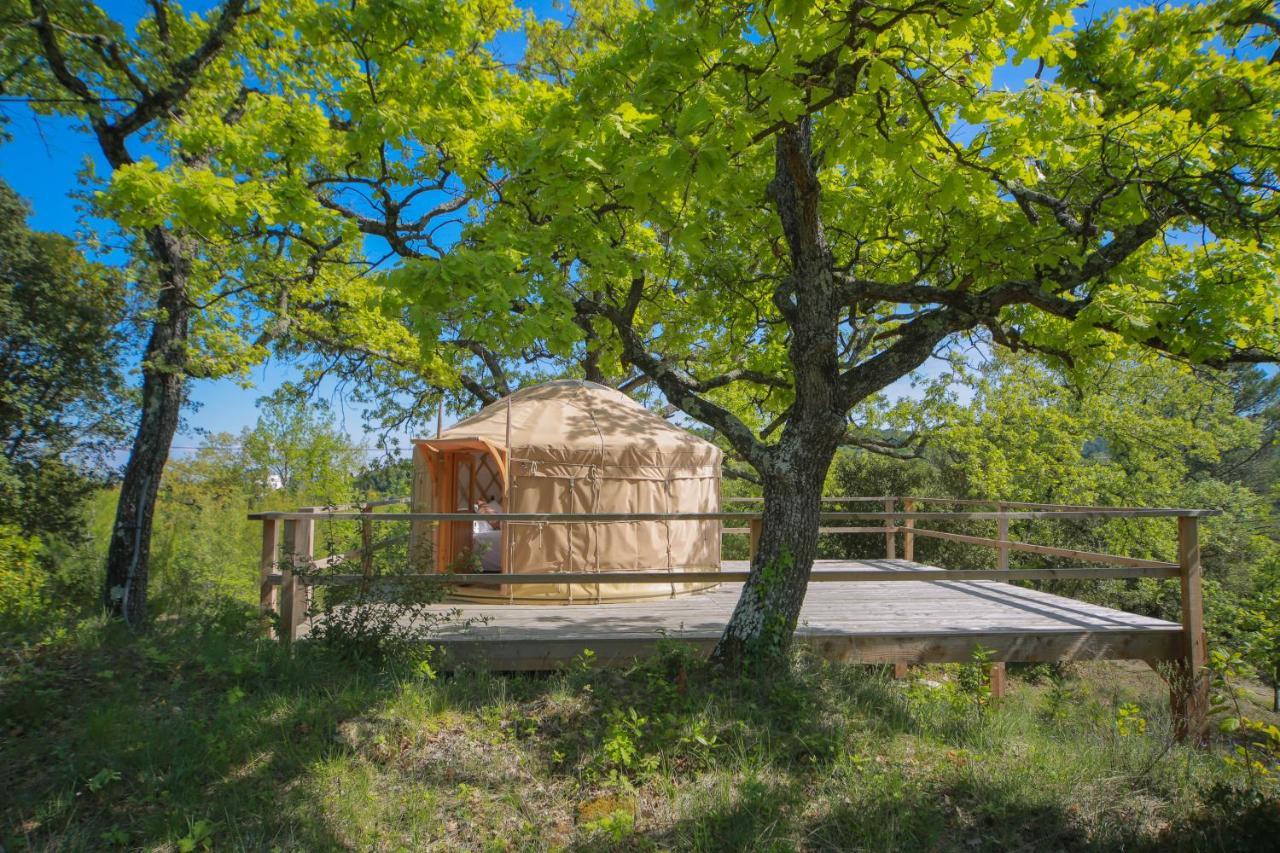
{"x":222,"y":743}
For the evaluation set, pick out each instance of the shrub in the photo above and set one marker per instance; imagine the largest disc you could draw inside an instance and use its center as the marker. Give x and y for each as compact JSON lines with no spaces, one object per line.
{"x":23,"y":604}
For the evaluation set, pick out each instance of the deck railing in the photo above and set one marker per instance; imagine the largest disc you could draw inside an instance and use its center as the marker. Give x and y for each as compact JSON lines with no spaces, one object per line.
{"x":289,"y":565}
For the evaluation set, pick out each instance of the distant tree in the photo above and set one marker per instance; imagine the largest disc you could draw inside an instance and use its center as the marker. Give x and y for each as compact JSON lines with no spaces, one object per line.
{"x":1257,"y":395}
{"x":296,"y":448}
{"x":1125,"y":433}
{"x":386,"y":476}
{"x":61,"y":394}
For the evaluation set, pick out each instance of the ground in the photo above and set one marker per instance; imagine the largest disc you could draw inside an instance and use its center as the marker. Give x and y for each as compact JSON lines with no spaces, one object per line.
{"x":188,"y":739}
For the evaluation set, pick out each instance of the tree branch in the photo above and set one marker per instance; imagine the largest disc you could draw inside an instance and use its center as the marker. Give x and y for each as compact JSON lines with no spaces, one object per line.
{"x":680,"y":388}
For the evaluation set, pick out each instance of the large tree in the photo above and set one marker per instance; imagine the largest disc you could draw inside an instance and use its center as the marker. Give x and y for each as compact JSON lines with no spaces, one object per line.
{"x":773,"y":211}
{"x":74,"y":59}
{"x":260,"y":158}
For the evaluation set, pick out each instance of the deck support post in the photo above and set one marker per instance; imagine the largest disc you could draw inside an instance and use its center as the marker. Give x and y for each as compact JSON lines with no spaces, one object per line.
{"x":900,"y":669}
{"x":890,"y":537}
{"x":908,"y":532}
{"x":755,"y":525}
{"x":299,"y":536}
{"x":267,"y":595}
{"x":1189,"y":691}
{"x":996,"y":677}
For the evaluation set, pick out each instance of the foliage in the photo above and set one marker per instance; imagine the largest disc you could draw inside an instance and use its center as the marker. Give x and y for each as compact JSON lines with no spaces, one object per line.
{"x":1256,"y":746}
{"x":937,"y":185}
{"x":1130,"y":433}
{"x":251,"y":150}
{"x":286,"y":110}
{"x":385,"y":619}
{"x":60,"y":382}
{"x":22,"y":593}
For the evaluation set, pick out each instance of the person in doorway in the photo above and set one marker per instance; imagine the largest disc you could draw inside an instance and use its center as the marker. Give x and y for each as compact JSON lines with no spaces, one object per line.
{"x":486,"y":537}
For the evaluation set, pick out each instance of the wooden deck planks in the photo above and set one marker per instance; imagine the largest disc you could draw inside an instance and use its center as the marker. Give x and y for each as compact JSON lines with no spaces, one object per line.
{"x":931,"y":620}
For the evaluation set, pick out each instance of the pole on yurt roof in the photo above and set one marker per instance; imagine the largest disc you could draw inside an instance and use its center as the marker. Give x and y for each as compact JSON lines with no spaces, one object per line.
{"x":506,"y":503}
{"x":439,"y":417}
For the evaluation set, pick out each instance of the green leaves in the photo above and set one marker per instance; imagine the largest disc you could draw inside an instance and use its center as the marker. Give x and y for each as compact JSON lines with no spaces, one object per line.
{"x":879,"y":75}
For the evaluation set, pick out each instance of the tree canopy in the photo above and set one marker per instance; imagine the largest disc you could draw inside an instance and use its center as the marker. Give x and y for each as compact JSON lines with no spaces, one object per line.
{"x":298,"y":449}
{"x":774,"y":211}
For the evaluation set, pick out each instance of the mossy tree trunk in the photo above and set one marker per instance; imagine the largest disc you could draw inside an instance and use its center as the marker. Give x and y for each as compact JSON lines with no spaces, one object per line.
{"x":164,"y":375}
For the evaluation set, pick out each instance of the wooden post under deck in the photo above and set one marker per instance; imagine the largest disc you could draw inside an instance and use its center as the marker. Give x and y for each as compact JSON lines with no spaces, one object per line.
{"x":267,"y":595}
{"x":997,"y":679}
{"x":1189,"y":694}
{"x":299,"y":537}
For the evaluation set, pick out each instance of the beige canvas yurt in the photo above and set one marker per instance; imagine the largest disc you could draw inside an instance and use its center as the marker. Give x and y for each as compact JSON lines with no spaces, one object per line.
{"x":567,"y":447}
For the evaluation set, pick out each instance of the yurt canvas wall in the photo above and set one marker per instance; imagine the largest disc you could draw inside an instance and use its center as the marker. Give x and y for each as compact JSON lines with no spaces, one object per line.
{"x":578,"y":447}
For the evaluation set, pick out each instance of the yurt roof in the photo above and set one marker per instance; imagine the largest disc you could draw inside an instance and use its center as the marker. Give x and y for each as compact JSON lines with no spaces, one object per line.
{"x":581,"y":422}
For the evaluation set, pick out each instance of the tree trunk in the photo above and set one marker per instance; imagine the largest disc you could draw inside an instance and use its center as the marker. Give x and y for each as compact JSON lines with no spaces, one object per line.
{"x":163,"y":393}
{"x":793,"y":471}
{"x":766,"y":615}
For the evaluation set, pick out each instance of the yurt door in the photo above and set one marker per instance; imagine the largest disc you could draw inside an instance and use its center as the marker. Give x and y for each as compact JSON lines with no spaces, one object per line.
{"x":456,"y":495}
{"x":470,"y":478}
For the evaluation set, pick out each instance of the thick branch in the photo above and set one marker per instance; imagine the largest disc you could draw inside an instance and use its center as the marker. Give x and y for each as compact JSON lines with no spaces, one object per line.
{"x":680,"y":388}
{"x":184,"y":72}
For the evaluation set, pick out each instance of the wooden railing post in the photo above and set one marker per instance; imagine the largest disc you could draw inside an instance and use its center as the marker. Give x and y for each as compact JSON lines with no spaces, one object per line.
{"x":1190,"y":699}
{"x":891,"y":535}
{"x":908,"y":532}
{"x":1002,"y":550}
{"x":755,"y":526}
{"x":997,"y":676}
{"x":366,"y":547}
{"x":299,"y":537}
{"x":267,"y":595}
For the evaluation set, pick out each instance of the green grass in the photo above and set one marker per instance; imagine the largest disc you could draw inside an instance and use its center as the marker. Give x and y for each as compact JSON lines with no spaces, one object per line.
{"x":186,"y":740}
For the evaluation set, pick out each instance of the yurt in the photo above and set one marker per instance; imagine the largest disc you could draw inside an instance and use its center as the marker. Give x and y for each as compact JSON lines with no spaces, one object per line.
{"x":567,"y":447}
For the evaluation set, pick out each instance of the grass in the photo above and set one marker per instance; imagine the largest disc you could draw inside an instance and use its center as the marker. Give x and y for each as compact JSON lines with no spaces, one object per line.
{"x":186,"y":740}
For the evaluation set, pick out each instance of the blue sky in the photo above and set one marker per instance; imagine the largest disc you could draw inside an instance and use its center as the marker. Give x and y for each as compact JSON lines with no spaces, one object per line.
{"x":45,"y":155}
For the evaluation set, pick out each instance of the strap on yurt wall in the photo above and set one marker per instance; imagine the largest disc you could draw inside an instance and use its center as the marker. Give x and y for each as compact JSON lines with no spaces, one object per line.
{"x":671,"y":507}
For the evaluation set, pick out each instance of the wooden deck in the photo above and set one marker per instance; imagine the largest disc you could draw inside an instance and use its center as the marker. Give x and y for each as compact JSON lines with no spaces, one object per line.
{"x":932,"y":620}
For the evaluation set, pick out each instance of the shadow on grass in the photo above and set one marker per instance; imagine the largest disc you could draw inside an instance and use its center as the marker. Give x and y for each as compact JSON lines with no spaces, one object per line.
{"x":143,"y":742}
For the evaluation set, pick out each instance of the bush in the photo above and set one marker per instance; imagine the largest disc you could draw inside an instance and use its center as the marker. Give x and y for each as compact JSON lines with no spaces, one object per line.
{"x":23,"y":604}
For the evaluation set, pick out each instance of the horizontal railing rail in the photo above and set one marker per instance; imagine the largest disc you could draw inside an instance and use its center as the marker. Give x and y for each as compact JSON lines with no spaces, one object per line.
{"x":579,"y":517}
{"x":759,"y":500}
{"x":741,"y":576}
